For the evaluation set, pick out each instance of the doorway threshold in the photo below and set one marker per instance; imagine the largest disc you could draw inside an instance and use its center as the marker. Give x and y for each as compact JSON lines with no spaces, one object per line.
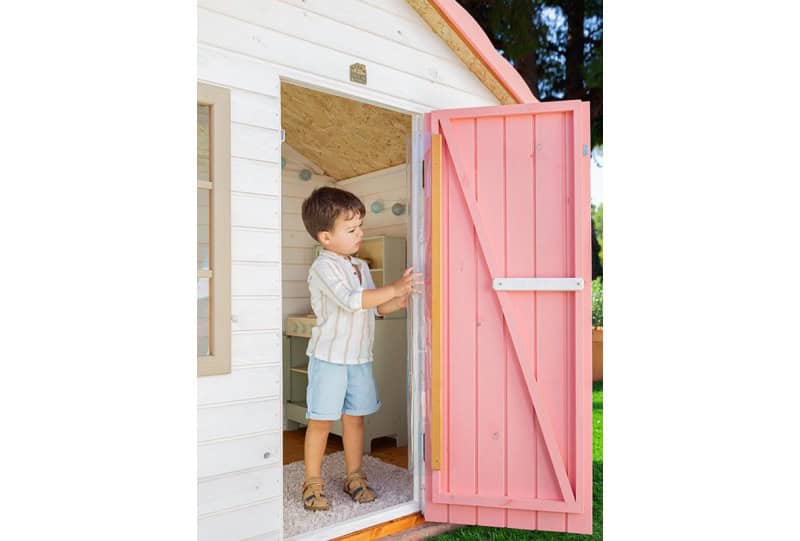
{"x":355,"y":525}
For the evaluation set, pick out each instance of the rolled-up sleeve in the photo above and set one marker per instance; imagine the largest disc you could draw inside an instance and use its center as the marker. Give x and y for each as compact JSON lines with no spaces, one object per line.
{"x":335,"y":286}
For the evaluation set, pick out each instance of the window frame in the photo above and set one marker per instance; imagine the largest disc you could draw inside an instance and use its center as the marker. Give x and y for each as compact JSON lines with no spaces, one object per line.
{"x":219,"y":229}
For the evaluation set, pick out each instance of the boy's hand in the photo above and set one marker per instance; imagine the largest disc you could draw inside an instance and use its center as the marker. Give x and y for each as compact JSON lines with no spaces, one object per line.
{"x":407,"y":283}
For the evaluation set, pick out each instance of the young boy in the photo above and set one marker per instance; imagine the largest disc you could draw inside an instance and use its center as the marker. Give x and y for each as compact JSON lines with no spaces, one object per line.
{"x":345,"y":302}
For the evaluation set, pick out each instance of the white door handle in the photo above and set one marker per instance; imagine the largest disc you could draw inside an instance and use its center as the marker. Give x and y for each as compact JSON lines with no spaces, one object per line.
{"x":537,"y":284}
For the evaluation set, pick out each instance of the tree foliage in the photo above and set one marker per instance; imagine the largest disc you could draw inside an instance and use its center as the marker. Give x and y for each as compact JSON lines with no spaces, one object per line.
{"x":597,"y":260}
{"x":555,"y":45}
{"x":597,"y":223}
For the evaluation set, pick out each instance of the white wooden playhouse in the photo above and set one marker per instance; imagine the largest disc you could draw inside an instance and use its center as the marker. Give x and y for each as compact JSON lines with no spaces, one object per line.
{"x":294,"y":94}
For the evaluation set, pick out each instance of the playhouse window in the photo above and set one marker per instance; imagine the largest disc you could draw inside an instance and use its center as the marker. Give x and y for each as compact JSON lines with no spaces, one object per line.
{"x":213,"y":231}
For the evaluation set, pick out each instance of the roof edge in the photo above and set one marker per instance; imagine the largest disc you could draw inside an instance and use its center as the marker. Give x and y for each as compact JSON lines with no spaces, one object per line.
{"x":475,"y":49}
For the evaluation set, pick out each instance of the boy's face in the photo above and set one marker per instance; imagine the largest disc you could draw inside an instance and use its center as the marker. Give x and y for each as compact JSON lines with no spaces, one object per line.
{"x":346,"y":236}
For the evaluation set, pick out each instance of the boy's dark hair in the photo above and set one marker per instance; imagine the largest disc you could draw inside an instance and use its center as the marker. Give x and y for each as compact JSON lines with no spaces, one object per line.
{"x":324,"y":205}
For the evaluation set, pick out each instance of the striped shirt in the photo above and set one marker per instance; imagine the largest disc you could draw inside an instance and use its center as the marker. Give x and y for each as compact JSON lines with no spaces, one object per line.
{"x":344,"y":332}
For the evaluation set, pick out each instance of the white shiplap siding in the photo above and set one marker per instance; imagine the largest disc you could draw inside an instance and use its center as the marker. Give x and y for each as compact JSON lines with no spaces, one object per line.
{"x":239,"y":428}
{"x":317,"y":41}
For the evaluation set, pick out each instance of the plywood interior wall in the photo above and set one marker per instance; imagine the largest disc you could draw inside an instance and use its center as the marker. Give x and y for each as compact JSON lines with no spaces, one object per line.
{"x":345,"y":138}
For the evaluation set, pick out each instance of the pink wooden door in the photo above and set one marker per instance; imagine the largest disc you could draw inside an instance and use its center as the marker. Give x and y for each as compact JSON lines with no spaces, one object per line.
{"x":508,"y":414}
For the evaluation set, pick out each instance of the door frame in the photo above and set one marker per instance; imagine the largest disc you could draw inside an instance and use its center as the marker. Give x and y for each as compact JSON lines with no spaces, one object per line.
{"x":415,"y":321}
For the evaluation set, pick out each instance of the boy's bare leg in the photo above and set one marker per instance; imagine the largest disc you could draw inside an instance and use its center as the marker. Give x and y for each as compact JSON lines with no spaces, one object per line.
{"x":353,"y":440}
{"x":314,"y":447}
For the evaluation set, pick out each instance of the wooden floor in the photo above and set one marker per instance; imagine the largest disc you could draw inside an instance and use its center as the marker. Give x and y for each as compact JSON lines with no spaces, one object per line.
{"x":382,"y":448}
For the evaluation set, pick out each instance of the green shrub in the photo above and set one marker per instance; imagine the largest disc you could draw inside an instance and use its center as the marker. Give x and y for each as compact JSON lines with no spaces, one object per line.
{"x":597,"y":302}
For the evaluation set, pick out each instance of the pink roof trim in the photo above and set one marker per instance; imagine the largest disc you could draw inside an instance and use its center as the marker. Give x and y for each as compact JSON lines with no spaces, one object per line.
{"x":471,"y":32}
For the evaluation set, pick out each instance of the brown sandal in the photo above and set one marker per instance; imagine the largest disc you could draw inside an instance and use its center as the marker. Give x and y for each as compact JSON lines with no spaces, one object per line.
{"x":356,"y":486}
{"x":313,"y":498}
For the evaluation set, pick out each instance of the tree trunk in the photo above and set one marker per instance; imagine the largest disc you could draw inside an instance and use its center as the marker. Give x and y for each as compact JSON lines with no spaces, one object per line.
{"x":574,"y":12}
{"x":527,"y":68}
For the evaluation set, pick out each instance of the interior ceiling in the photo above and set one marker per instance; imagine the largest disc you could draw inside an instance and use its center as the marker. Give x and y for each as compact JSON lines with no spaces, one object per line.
{"x":345,"y":138}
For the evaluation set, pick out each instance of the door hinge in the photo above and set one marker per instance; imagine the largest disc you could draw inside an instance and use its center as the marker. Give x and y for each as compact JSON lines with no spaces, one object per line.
{"x":423,"y":447}
{"x":585,"y":150}
{"x":423,"y":174}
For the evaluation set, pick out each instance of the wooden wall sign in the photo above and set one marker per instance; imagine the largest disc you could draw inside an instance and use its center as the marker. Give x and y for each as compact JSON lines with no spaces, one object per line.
{"x":358,"y":73}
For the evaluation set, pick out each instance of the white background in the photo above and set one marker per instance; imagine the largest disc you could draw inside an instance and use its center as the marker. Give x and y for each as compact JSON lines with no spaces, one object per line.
{"x":98,"y":271}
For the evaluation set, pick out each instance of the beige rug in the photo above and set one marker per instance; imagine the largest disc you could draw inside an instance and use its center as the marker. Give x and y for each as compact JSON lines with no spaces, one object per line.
{"x":392,"y":484}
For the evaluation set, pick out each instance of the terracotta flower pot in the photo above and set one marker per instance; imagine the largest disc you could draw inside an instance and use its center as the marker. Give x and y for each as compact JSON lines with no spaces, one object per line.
{"x":597,"y":353}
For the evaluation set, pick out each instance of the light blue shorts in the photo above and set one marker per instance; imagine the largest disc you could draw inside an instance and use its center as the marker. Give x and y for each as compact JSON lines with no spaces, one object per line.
{"x":334,"y":389}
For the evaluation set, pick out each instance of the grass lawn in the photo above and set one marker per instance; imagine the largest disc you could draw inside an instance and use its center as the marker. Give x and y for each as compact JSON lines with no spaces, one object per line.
{"x":481,"y":533}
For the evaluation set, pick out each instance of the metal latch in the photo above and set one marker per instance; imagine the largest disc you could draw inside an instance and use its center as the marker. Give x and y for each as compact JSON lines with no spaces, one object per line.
{"x":537,"y":284}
